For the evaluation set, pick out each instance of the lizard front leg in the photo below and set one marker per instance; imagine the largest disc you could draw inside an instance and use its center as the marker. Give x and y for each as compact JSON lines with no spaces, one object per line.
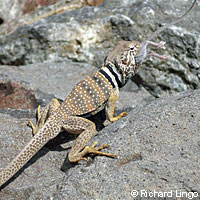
{"x":44,"y":115}
{"x":110,"y":109}
{"x":86,"y":129}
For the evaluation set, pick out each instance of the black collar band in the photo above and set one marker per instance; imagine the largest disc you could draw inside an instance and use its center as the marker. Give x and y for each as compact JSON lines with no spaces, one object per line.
{"x":115,"y":75}
{"x":107,"y":77}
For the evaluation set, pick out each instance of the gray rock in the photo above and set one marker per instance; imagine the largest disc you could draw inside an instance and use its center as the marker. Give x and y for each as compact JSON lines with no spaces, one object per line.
{"x":14,"y":14}
{"x":157,"y":147}
{"x":10,"y":10}
{"x":87,"y":34}
{"x":55,"y":79}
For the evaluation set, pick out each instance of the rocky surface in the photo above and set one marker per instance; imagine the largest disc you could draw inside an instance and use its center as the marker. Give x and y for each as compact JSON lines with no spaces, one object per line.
{"x":14,"y":14}
{"x":157,"y":143}
{"x":87,"y":34}
{"x":157,"y":147}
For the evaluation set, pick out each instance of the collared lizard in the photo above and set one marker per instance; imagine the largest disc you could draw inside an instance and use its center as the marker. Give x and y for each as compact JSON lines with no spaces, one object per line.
{"x":96,"y":92}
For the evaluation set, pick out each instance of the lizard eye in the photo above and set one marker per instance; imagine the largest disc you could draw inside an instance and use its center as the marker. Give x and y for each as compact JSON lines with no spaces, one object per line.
{"x":132,"y":48}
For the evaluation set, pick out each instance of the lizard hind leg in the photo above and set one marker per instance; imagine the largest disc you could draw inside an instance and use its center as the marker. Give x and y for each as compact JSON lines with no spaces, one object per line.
{"x":85,"y":128}
{"x":159,"y":45}
{"x":44,"y":115}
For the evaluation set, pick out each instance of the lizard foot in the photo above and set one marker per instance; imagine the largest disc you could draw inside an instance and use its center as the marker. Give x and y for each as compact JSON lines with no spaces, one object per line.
{"x":38,"y":113}
{"x":92,"y":150}
{"x":35,"y":128}
{"x":119,"y":116}
{"x":30,"y":124}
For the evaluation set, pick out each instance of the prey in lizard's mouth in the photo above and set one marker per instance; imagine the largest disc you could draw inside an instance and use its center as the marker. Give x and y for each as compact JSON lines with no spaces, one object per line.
{"x":143,"y":53}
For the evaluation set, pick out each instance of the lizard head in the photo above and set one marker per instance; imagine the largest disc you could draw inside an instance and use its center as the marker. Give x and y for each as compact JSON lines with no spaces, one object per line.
{"x":127,"y":57}
{"x":122,"y":57}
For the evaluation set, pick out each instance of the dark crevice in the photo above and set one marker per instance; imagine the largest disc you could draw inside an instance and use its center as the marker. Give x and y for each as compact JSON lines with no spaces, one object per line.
{"x":1,"y":21}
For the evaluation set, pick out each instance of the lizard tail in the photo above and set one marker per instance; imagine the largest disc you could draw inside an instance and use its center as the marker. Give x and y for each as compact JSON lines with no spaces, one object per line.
{"x":49,"y":131}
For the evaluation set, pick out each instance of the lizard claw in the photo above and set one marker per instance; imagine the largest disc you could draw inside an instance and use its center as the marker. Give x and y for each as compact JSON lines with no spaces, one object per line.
{"x":38,"y":113}
{"x":84,"y":159}
{"x":30,"y":124}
